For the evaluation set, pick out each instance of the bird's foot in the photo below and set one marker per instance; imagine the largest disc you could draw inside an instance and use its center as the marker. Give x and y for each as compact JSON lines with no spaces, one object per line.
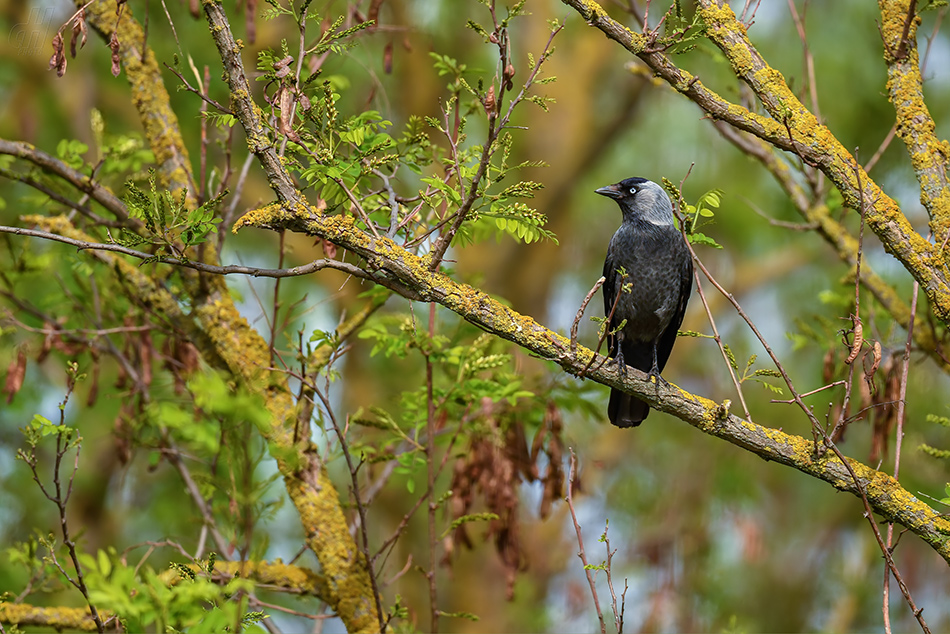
{"x":656,"y":379}
{"x":621,"y":365}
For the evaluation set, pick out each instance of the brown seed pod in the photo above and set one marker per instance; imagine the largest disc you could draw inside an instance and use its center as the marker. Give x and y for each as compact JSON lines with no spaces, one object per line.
{"x":58,"y":60}
{"x":858,"y":340}
{"x":875,"y":354}
{"x":116,"y":60}
{"x":490,"y":99}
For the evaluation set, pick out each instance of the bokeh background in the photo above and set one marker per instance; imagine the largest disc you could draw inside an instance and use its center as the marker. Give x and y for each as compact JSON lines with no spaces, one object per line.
{"x":708,"y":537}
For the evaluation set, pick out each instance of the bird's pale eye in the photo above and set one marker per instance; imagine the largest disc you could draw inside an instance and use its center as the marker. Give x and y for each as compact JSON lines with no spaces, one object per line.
{"x":633,"y":190}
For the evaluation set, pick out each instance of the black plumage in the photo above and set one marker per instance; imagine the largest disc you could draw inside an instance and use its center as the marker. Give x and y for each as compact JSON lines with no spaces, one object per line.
{"x":659,"y":272}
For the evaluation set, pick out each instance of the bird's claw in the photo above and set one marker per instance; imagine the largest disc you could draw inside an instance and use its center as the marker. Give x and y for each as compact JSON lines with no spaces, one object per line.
{"x":656,"y":379}
{"x":621,"y":365}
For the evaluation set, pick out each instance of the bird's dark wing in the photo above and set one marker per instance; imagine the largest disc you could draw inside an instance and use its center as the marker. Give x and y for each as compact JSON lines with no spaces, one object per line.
{"x":623,"y":410}
{"x":668,"y":338}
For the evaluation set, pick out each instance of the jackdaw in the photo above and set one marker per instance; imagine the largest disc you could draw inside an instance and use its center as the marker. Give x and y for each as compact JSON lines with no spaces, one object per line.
{"x":652,"y":297}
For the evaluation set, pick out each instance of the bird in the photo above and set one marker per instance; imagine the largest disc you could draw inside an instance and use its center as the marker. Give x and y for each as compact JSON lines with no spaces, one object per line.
{"x":648,"y":278}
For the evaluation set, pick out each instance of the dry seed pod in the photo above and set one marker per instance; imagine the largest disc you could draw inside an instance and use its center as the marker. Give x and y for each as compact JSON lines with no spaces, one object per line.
{"x":876,"y":355}
{"x":858,"y":340}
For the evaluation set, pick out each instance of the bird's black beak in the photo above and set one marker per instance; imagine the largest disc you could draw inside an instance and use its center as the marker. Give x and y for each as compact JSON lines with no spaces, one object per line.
{"x":610,"y":191}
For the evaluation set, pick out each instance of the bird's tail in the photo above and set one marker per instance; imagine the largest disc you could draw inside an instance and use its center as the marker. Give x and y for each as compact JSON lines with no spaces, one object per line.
{"x":625,"y":410}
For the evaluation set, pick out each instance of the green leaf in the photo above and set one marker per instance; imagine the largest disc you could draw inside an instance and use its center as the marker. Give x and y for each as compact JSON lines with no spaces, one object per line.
{"x":460,"y":615}
{"x":40,"y":422}
{"x":942,"y":454}
{"x":731,"y":356}
{"x":699,"y":238}
{"x":473,"y":517}
{"x":105,"y":564}
{"x":940,"y":420}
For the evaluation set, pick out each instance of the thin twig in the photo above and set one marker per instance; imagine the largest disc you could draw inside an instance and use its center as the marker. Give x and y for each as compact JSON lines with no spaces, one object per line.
{"x":198,"y":91}
{"x":232,"y":269}
{"x":827,"y":442}
{"x":74,"y":177}
{"x":901,"y":405}
{"x":716,"y":337}
{"x":746,"y":17}
{"x":732,"y":300}
{"x":869,"y":514}
{"x":393,"y":204}
{"x":580,"y":542}
{"x":702,"y":296}
{"x":902,"y":401}
{"x":96,"y":219}
{"x":901,"y":52}
{"x":783,"y":224}
{"x":880,"y":150}
{"x":430,"y":479}
{"x":228,"y":217}
{"x":618,"y":614}
{"x":495,"y":126}
{"x":580,"y":312}
{"x":173,"y":455}
{"x":815,"y":391}
{"x":361,"y":509}
{"x":606,"y":333}
{"x":391,"y":541}
{"x":810,"y":75}
{"x":856,"y":325}
{"x":61,"y":499}
{"x":356,"y":205}
{"x":275,"y":304}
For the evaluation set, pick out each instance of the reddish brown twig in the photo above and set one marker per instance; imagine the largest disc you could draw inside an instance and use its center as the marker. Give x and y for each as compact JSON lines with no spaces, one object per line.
{"x":580,"y":542}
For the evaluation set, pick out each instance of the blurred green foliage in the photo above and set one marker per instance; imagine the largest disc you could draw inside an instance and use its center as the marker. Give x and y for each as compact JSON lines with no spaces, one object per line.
{"x":708,"y":537}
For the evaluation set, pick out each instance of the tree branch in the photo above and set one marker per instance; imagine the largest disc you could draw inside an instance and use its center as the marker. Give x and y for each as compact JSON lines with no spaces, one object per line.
{"x":884,"y":494}
{"x":790,"y":127}
{"x":308,"y":484}
{"x":838,"y":236}
{"x":58,"y":618}
{"x":270,"y":576}
{"x":149,"y":97}
{"x":231,"y":269}
{"x":77,"y":179}
{"x":928,"y":154}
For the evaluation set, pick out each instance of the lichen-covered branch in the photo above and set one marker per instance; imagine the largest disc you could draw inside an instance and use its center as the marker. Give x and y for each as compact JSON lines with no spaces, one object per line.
{"x":280,"y":576}
{"x":883,"y":215}
{"x":845,"y":245}
{"x":790,"y":127}
{"x":399,"y":266}
{"x":77,"y":179}
{"x":884,"y":493}
{"x":244,"y":107}
{"x":226,"y":336}
{"x":274,"y":576}
{"x":818,"y":146}
{"x":929,"y":155}
{"x":59,"y":619}
{"x":227,"y":341}
{"x":838,"y":236}
{"x":308,"y":484}
{"x":148,"y":96}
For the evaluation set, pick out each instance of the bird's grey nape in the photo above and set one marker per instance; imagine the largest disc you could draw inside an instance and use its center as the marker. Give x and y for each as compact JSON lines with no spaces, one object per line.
{"x":654,"y":205}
